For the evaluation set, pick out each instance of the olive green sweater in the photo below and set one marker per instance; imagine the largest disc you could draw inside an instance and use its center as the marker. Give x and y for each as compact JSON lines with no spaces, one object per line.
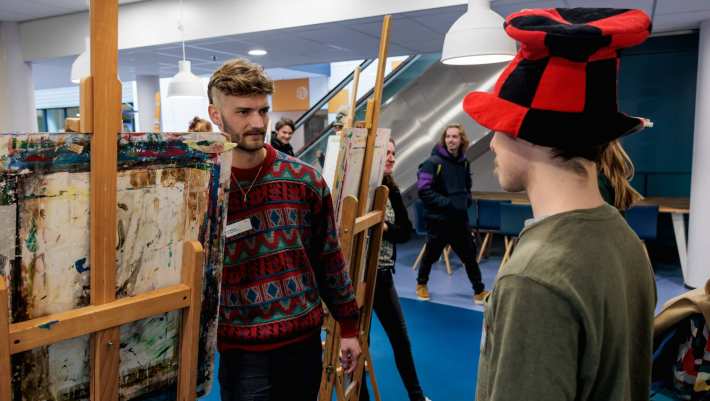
{"x":571,"y":315}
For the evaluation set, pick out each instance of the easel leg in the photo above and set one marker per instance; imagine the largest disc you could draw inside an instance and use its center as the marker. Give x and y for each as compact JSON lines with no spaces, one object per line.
{"x":447,"y":262}
{"x":5,"y":367}
{"x":419,"y":257}
{"x":508,"y":247}
{"x":484,"y":245}
{"x":371,"y":370}
{"x":329,"y":378}
{"x":192,"y":271}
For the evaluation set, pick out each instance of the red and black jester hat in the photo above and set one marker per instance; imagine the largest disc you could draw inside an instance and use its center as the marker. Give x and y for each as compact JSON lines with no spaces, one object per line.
{"x":561,"y":88}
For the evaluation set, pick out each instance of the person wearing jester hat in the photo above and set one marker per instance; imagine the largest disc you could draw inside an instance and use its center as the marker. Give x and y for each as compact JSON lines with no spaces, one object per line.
{"x":571,"y":314}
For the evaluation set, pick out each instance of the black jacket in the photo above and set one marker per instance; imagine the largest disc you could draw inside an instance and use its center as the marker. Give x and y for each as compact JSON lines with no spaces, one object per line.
{"x":281,"y":147}
{"x":444,"y":186}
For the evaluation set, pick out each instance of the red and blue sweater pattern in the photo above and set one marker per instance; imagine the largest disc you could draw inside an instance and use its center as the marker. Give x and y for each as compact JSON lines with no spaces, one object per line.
{"x":276,"y":274}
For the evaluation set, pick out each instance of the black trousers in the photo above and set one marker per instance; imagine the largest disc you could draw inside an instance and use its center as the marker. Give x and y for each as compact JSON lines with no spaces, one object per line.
{"x":289,"y":373}
{"x":459,"y":237}
{"x":389,"y":312}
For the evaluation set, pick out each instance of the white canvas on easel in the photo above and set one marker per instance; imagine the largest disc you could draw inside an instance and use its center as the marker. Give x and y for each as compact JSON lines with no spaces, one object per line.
{"x":378,"y":164}
{"x":331,"y":160}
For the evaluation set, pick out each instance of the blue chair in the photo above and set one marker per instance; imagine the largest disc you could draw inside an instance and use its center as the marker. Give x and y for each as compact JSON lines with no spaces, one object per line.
{"x":473,"y":214}
{"x":512,"y":222}
{"x":488,"y":221}
{"x":420,"y":228}
{"x":643,"y":219}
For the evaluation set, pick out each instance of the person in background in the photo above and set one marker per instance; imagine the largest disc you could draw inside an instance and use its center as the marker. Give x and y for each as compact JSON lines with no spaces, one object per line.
{"x":571,"y":313}
{"x":444,"y":186}
{"x":72,"y":124}
{"x":397,"y":230}
{"x":282,"y":257}
{"x":198,"y":124}
{"x":281,"y":138}
{"x":615,"y":173}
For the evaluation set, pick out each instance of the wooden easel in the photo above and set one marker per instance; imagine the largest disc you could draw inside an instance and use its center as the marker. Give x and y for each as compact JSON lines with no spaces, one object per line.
{"x":101,"y":115}
{"x":355,"y":225}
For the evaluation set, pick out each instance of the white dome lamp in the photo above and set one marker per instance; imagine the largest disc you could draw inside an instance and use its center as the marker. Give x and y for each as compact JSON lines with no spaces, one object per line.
{"x":185,"y":83}
{"x":477,"y":37}
{"x":82,"y":65}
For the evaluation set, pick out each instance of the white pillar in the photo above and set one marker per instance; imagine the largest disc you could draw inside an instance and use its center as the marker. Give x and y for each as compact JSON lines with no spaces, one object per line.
{"x":146,"y":87}
{"x":699,"y":230}
{"x":17,"y":103}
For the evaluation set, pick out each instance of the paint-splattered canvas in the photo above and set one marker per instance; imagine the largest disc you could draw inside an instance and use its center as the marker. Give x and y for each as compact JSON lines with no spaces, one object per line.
{"x":171,"y":188}
{"x":349,"y":164}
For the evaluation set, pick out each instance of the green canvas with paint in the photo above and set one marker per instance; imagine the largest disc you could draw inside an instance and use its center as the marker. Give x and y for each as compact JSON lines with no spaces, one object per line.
{"x":171,"y":188}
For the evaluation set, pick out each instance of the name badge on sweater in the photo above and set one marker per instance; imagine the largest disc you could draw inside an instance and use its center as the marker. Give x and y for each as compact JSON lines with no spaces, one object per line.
{"x":239,"y":227}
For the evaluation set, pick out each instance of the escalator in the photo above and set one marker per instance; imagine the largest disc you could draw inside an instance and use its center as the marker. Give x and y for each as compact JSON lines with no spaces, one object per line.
{"x":420,"y":98}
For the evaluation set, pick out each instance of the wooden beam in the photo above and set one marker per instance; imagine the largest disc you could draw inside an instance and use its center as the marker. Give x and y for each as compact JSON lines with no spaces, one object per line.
{"x":373,"y":254}
{"x":373,"y":121}
{"x":5,"y":366}
{"x":353,"y":99}
{"x":347,"y":226}
{"x":78,"y":322}
{"x":369,"y":220}
{"x":192,"y":271}
{"x":106,"y":124}
{"x":86,"y":105}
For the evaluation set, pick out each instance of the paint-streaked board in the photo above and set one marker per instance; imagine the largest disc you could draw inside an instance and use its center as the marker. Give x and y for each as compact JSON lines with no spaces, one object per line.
{"x":171,"y":188}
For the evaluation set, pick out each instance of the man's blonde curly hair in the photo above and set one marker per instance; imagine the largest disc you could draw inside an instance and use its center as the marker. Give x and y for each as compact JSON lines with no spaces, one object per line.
{"x":239,"y":77}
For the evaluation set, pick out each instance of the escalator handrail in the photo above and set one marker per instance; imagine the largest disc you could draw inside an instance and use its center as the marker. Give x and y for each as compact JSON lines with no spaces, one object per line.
{"x":392,"y":75}
{"x":331,"y":94}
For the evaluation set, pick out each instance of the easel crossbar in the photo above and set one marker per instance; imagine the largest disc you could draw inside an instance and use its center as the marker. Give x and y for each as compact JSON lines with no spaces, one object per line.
{"x":367,"y":221}
{"x":91,"y":319}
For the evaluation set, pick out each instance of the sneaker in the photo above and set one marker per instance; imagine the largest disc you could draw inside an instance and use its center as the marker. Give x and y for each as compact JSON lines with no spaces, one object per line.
{"x":481,"y":297}
{"x":422,"y":292}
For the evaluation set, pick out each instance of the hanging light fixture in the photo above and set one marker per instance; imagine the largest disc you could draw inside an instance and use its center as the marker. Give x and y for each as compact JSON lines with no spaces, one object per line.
{"x":82,"y":65}
{"x":477,"y":37}
{"x":184,"y":83}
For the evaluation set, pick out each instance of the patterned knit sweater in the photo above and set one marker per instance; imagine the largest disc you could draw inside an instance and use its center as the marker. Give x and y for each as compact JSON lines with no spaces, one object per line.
{"x":276,"y":273}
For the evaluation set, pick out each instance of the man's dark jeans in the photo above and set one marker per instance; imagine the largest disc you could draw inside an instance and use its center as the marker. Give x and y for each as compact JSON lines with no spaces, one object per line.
{"x":289,"y":373}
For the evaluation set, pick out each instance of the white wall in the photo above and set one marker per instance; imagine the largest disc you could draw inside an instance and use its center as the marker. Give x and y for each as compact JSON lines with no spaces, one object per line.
{"x":145,"y":88}
{"x":17,"y":109}
{"x":699,"y":230}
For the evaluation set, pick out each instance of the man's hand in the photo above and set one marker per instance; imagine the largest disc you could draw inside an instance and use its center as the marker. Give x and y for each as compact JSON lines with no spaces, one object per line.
{"x":349,"y":354}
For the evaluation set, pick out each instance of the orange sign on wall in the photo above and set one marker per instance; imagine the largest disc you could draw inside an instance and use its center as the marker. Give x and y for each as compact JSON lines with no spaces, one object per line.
{"x":338,"y":101}
{"x":291,"y":95}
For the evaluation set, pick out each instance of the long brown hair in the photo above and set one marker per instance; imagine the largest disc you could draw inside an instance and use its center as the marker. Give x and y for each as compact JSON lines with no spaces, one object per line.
{"x":199,"y":125}
{"x":617,"y":166}
{"x":464,"y":139}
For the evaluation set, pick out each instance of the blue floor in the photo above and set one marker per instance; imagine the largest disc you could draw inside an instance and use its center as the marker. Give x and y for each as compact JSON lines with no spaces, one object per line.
{"x":445,"y":333}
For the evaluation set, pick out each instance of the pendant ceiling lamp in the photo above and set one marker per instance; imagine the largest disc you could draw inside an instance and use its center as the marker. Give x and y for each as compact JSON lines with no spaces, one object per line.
{"x":185,"y":83}
{"x":82,"y":65}
{"x":477,"y":37}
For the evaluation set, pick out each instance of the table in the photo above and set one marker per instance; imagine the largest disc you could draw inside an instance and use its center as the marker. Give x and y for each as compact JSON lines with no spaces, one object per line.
{"x":677,"y":207}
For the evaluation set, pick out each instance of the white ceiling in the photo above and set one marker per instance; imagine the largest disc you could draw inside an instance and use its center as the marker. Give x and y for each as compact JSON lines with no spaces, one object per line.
{"x":411,"y":33}
{"x":24,"y":10}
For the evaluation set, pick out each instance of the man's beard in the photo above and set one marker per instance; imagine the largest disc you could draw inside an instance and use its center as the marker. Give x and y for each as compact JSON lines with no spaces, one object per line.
{"x":238,"y":138}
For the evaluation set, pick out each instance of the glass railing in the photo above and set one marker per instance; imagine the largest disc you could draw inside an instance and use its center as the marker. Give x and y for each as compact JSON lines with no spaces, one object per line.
{"x":400,"y":76}
{"x":318,"y":117}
